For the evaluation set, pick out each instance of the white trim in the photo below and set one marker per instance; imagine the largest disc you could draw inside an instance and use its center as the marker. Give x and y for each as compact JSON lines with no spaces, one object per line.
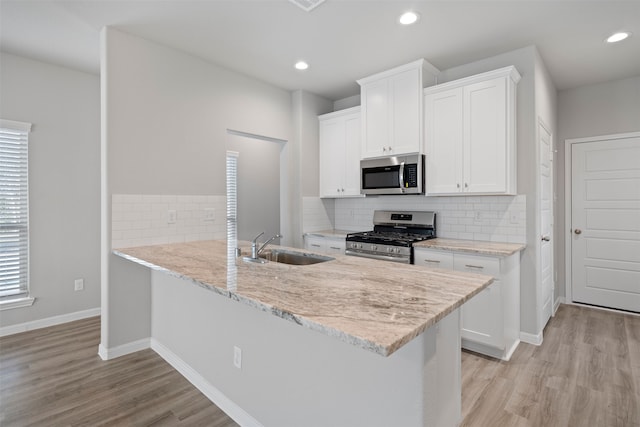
{"x":556,"y":305}
{"x":535,"y":339}
{"x":568,"y":143}
{"x":597,"y":307}
{"x":234,"y":411}
{"x":49,"y":321}
{"x":123,"y":350}
{"x":510,"y":72}
{"x":490,"y":350}
{"x":12,"y":124}
{"x":18,"y":302}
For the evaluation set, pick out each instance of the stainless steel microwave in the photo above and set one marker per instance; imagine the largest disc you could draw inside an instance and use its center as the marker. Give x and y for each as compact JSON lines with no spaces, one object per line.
{"x":392,"y":175}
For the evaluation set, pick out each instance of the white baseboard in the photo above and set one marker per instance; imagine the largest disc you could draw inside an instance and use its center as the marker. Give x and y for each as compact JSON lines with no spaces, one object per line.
{"x":49,"y":321}
{"x":238,"y":414}
{"x":124,"y":349}
{"x":535,"y":339}
{"x":556,"y":305}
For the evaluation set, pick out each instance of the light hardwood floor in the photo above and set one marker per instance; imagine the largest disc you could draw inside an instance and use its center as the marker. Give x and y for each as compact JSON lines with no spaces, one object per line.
{"x":586,"y":373}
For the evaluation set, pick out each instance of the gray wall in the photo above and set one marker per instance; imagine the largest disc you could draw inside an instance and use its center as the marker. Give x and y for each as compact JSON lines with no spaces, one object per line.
{"x":306,"y":107}
{"x":165,"y":121}
{"x":601,"y":109}
{"x":64,"y":182}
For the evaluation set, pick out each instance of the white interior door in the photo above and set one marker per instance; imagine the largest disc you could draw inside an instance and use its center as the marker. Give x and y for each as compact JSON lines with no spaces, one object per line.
{"x":546,"y":224}
{"x":605,"y":216}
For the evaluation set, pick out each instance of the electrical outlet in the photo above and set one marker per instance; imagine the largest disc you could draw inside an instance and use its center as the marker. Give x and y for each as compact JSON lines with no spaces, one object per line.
{"x":171,"y":217}
{"x":78,"y":284}
{"x":478,"y":216}
{"x":209,"y":214}
{"x":237,"y":357}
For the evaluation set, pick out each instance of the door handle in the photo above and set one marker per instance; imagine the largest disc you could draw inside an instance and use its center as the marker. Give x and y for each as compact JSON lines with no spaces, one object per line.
{"x":577,"y":231}
{"x":546,"y":238}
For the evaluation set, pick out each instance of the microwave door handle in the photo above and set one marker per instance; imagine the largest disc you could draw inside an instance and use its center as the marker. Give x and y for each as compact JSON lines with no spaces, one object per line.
{"x":401,"y":175}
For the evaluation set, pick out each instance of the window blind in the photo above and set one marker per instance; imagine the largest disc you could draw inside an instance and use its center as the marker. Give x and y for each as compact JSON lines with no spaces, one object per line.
{"x":14,"y":209}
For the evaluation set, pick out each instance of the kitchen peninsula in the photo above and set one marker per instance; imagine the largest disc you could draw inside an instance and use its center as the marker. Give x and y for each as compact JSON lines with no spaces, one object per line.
{"x":379,"y":343}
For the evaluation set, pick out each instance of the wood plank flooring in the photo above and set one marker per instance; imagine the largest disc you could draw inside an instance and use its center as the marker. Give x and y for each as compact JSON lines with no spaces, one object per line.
{"x":586,"y":373}
{"x":54,"y":377}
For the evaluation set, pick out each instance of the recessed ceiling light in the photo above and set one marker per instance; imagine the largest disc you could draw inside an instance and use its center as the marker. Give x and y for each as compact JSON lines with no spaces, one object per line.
{"x":408,"y":18}
{"x":301,"y":65}
{"x":618,"y":37}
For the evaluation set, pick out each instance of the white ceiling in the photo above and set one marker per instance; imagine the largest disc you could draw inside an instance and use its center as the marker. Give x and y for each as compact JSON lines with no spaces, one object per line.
{"x":343,"y":40}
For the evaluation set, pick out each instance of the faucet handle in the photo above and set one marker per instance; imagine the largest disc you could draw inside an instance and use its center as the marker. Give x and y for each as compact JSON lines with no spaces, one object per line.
{"x":255,"y":239}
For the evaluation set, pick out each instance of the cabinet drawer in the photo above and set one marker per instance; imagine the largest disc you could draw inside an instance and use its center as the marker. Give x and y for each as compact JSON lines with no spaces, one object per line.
{"x":314,"y":244}
{"x":335,"y":246}
{"x":436,"y":259}
{"x":477,"y":264}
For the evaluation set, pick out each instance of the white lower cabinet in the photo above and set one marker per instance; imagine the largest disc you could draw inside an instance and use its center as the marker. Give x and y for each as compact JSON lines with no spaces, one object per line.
{"x":490,"y":320}
{"x":324,"y":244}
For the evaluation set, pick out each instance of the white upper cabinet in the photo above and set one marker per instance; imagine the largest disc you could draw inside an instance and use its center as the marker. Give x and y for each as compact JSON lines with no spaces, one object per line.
{"x":340,"y":153}
{"x":470,"y":135}
{"x":392,"y":109}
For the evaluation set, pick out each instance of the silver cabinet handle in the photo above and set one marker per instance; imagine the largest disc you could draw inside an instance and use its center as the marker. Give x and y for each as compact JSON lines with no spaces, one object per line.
{"x":334,"y":247}
{"x":474,"y":266}
{"x":432,"y":260}
{"x":546,"y":238}
{"x":458,"y":185}
{"x":577,"y":231}
{"x":315,"y":246}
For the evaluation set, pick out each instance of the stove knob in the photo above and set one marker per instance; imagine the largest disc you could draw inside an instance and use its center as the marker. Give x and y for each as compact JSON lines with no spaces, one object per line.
{"x":389,"y":250}
{"x":374,"y":247}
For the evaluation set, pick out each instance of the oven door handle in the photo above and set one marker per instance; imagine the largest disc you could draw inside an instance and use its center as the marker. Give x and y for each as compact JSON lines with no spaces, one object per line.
{"x":401,"y":176}
{"x":403,"y":260}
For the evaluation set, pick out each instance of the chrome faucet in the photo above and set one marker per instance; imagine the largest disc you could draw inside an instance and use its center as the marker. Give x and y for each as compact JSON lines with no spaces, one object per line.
{"x":255,"y":251}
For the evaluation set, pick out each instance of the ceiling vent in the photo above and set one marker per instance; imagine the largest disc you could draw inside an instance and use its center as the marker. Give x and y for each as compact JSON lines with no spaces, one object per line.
{"x":307,"y":5}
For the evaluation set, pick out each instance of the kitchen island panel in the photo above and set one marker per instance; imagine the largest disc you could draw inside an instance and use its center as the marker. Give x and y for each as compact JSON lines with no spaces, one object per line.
{"x":292,"y":376}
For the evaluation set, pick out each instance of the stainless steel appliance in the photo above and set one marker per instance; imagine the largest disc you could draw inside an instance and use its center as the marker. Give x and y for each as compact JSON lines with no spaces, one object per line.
{"x":393,"y":235}
{"x":393,"y":175}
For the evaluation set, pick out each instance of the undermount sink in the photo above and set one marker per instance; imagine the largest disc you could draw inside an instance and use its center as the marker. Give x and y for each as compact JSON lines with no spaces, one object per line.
{"x":293,"y":258}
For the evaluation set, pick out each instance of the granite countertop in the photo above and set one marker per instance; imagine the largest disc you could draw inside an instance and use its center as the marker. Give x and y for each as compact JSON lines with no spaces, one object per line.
{"x":472,"y":246}
{"x":334,"y":234}
{"x":376,"y":305}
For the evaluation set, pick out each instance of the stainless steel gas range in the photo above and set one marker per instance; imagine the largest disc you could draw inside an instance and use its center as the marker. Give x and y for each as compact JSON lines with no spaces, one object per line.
{"x":393,"y":235}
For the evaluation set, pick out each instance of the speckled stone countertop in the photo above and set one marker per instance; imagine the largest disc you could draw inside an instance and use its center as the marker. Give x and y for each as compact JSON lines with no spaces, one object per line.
{"x":334,"y":234}
{"x":376,"y":305}
{"x":473,"y":246}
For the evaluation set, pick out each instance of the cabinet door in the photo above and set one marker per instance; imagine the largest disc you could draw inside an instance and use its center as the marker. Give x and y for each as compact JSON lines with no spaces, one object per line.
{"x":431,"y":258}
{"x":443,"y":129}
{"x":332,"y":149}
{"x":485,"y":137}
{"x":351,"y":183}
{"x":406,"y":113}
{"x":375,"y":126}
{"x":482,"y":319}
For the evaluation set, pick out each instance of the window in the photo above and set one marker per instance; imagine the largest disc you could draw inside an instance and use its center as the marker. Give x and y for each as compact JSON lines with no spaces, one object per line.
{"x":14,"y":214}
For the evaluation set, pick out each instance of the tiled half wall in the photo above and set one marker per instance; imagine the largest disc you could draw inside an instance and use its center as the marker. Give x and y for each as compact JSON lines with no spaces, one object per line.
{"x":143,"y":219}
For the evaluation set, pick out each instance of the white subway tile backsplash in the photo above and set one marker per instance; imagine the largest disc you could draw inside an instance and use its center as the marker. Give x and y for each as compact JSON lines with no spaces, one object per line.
{"x":141,"y":219}
{"x":461,"y":217}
